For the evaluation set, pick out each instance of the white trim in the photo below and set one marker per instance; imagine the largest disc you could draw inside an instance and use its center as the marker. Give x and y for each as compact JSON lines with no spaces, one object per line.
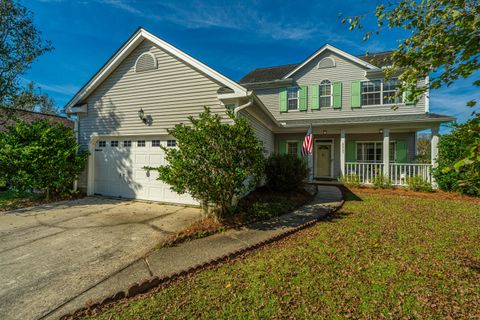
{"x":130,"y":45}
{"x":427,"y":94}
{"x":332,"y":156}
{"x":335,"y":50}
{"x":149,"y":54}
{"x":376,"y":141}
{"x":342,"y":152}
{"x":292,"y":141}
{"x":382,"y":80}
{"x":297,"y":98}
{"x":320,"y":93}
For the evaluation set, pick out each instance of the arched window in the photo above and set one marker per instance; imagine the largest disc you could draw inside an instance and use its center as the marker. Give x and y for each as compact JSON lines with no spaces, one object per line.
{"x":325,"y":94}
{"x":327,"y":62}
{"x":145,"y":62}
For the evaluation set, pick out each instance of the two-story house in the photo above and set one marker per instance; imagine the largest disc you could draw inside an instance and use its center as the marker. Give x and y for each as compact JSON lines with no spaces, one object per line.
{"x":148,"y":86}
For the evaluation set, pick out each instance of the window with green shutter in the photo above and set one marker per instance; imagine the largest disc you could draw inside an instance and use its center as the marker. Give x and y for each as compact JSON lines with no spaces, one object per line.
{"x":282,"y":98}
{"x":302,"y":98}
{"x":401,"y":151}
{"x":282,"y":147}
{"x":337,"y":95}
{"x":350,"y":156}
{"x":355,"y":101}
{"x":313,"y":93}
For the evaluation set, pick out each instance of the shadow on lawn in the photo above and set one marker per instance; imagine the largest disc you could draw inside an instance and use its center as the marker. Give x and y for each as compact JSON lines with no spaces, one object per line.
{"x":348,"y":194}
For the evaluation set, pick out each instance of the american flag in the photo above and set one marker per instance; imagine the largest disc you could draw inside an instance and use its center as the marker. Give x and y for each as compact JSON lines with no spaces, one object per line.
{"x":307,"y":142}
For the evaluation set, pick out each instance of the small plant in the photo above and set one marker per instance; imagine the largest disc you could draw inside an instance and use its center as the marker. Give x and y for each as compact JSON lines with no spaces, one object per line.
{"x":285,"y":172}
{"x":351,"y":180}
{"x":381,"y":181}
{"x":419,"y":184}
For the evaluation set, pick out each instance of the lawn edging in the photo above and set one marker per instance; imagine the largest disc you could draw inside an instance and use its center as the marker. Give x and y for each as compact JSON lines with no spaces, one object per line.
{"x":145,"y":285}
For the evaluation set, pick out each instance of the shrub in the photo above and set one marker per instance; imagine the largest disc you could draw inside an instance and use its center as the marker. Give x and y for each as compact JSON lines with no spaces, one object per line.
{"x":351,"y":180}
{"x":419,"y":184}
{"x":381,"y":181}
{"x":40,"y":155}
{"x":215,"y":162}
{"x":453,"y":148}
{"x":285,"y":172}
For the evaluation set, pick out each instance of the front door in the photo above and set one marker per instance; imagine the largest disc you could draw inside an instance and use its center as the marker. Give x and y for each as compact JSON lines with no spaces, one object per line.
{"x":323,"y":162}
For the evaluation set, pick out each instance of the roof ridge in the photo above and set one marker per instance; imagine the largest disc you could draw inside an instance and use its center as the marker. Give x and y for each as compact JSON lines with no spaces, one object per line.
{"x":36,"y":112}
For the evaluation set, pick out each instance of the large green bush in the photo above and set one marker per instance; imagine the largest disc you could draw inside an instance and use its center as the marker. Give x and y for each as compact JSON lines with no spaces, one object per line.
{"x":285,"y":172}
{"x":215,"y":162}
{"x":41,"y":155}
{"x":454,"y":147}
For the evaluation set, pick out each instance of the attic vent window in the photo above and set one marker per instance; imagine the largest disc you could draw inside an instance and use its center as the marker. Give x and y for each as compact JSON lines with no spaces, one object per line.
{"x":326,"y":63}
{"x":146,"y":62}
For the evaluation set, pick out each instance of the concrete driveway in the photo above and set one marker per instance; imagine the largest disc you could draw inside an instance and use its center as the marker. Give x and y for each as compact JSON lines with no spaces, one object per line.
{"x":51,"y":254}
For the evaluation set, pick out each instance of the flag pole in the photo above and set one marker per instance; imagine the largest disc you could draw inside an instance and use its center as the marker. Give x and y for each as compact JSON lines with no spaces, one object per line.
{"x":310,"y":157}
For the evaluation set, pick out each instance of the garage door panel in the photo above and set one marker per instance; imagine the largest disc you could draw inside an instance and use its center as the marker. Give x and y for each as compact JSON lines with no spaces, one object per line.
{"x":119,"y":172}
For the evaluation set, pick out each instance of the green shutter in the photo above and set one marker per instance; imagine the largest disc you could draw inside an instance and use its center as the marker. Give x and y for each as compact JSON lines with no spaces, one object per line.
{"x":299,"y":148}
{"x":282,"y":98}
{"x":350,"y":156}
{"x":406,"y":96}
{"x":337,"y":95}
{"x":355,"y":94}
{"x":282,"y":147}
{"x":313,"y":92}
{"x":401,"y":151}
{"x":302,"y":98}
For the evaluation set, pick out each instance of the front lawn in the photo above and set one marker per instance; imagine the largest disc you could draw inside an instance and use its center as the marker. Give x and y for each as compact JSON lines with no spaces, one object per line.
{"x":392,"y":255}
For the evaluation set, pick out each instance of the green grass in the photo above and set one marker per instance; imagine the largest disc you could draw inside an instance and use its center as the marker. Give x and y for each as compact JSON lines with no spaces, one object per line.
{"x":386,"y":256}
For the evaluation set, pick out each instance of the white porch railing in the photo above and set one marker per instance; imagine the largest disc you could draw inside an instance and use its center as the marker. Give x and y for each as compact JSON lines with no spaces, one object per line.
{"x":399,"y":173}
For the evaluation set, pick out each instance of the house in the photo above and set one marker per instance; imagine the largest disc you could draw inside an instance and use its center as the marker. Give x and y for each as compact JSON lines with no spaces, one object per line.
{"x":7,"y":116}
{"x":148,"y":86}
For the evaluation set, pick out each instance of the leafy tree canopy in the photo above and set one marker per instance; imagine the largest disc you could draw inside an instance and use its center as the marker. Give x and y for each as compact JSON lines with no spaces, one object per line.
{"x":20,"y":45}
{"x":215,"y":162}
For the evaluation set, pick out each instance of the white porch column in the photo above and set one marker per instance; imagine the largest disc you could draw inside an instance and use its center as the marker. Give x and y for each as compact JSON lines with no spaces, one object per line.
{"x":434,"y":146}
{"x":310,"y":164}
{"x":342,"y":152}
{"x":386,"y":152}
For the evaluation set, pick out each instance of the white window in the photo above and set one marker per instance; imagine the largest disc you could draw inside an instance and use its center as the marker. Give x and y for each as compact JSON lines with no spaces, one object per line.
{"x":371,"y":92}
{"x":171,"y":143}
{"x":390,"y":88}
{"x":155,"y":143}
{"x":114,"y":143}
{"x":127,"y":143}
{"x":141,"y":143}
{"x":373,"y":151}
{"x":292,"y":98}
{"x":325,"y":94}
{"x":102,"y":144}
{"x":292,"y":148}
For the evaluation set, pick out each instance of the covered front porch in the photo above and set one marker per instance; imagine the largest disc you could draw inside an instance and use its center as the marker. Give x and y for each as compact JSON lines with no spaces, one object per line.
{"x":365,"y":152}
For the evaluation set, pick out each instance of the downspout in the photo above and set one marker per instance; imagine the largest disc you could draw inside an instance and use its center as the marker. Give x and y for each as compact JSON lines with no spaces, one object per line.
{"x":75,"y":130}
{"x":243,"y":106}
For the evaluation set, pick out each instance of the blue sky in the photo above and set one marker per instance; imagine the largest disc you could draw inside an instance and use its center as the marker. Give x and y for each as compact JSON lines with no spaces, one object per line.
{"x":229,"y":36}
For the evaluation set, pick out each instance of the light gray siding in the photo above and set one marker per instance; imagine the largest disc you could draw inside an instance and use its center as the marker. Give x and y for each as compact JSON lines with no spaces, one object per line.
{"x":263,"y":134}
{"x":344,"y":71}
{"x":167,"y":95}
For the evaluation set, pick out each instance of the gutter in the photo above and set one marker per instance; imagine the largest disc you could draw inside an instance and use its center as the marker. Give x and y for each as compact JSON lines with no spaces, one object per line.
{"x":244,"y":106}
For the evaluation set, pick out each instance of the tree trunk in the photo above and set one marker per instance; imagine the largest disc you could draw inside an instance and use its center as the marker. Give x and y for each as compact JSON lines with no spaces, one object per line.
{"x":47,"y":193}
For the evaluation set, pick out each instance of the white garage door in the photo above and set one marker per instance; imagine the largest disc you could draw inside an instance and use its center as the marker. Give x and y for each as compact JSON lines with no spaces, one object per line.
{"x":119,"y":169}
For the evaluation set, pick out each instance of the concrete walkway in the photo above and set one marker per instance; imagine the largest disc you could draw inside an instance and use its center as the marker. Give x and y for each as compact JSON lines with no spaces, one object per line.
{"x":167,"y":261}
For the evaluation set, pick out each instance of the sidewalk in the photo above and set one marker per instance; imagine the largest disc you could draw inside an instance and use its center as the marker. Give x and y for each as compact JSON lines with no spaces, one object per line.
{"x":165,"y":263}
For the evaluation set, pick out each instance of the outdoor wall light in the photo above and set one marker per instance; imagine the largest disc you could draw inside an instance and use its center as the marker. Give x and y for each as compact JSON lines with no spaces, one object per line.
{"x":380,"y":131}
{"x":324,"y":131}
{"x":141,"y":115}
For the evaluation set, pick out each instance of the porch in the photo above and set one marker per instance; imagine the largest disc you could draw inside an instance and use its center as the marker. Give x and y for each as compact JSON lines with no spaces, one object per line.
{"x":365,"y":155}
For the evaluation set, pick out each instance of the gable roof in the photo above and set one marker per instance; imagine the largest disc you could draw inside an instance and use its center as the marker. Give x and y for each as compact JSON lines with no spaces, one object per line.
{"x":138,"y":36}
{"x":377,"y":60}
{"x":268,"y":74}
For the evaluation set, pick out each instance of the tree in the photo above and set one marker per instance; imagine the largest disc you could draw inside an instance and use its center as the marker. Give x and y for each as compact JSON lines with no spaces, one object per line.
{"x":20,"y":45}
{"x":41,"y":155}
{"x":214,"y":161}
{"x":443,"y":42}
{"x":452,"y":147}
{"x":424,"y":148}
{"x":33,"y":99}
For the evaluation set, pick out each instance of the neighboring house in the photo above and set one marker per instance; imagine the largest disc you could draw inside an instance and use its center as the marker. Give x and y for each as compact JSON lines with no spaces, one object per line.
{"x":7,"y":116}
{"x":148,"y":86}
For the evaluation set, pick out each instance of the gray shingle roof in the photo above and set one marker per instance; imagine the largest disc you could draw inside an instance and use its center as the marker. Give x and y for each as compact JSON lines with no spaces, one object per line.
{"x":379,"y":59}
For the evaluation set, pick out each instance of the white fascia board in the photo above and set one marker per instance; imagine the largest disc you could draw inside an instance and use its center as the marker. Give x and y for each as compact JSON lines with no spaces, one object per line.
{"x":335,"y":50}
{"x":130,"y":45}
